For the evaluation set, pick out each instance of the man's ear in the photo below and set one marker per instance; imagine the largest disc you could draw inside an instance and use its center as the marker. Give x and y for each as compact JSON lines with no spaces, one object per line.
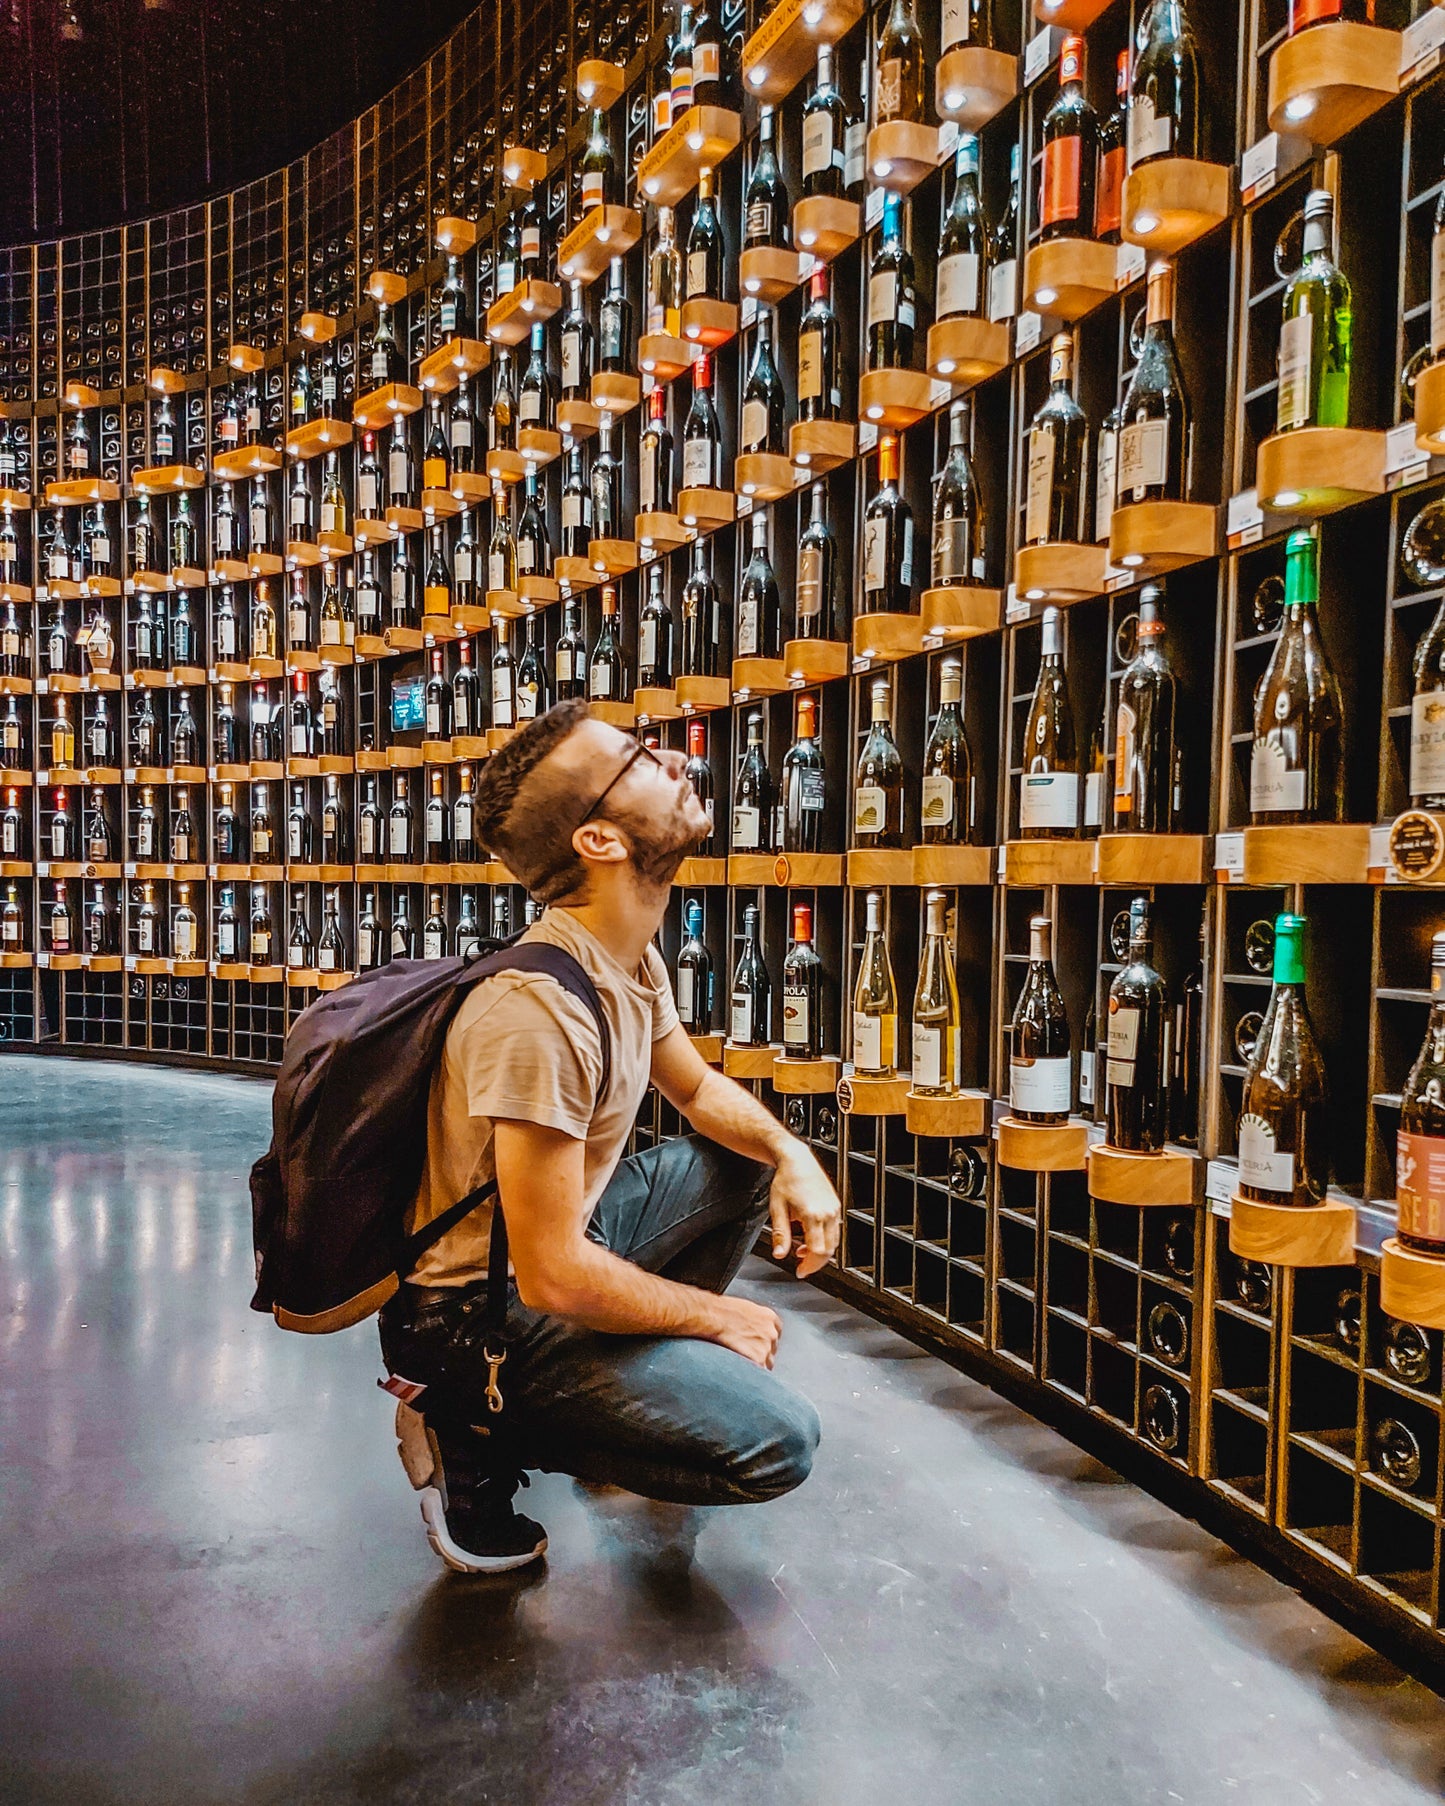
{"x":600,"y":843}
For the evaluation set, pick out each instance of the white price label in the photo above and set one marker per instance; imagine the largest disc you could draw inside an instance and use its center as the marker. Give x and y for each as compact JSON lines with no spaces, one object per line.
{"x":1259,"y":167}
{"x":1401,"y":449}
{"x":867,"y":435}
{"x":1244,"y":519}
{"x":749,"y":313}
{"x":1016,"y":607}
{"x":1420,"y":45}
{"x":1378,"y":858}
{"x":1129,"y":265}
{"x":1028,"y":330}
{"x":873,"y":208}
{"x":1221,"y":1180}
{"x":1038,"y":55}
{"x":1229,"y":855}
{"x":947,"y":140}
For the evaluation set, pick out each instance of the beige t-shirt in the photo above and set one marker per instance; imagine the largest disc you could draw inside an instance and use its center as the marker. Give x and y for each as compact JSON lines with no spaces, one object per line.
{"x":522,"y":1048}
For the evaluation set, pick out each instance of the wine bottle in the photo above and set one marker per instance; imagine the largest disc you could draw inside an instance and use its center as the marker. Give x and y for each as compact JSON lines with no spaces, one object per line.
{"x":1003,"y":276}
{"x":504,"y":673}
{"x":878,"y":779}
{"x":892,"y":301}
{"x":501,"y":547}
{"x":664,"y":278}
{"x":694,"y":976}
{"x":464,"y":835}
{"x":1189,"y":1051}
{"x":820,"y":394}
{"x":400,"y":822}
{"x":335,"y":839}
{"x":701,"y":434}
{"x":385,"y":363}
{"x":454,"y":313}
{"x":654,"y":635}
{"x":331,"y":949}
{"x":1109,"y":191}
{"x":962,"y":281}
{"x":437,"y":699}
{"x":501,"y":415}
{"x":825,"y":127}
{"x":703,"y":270}
{"x":957,"y":511}
{"x":752,"y":991}
{"x":1427,"y":718}
{"x":576,"y":507}
{"x":298,"y":828}
{"x":1420,"y":1144}
{"x":1057,"y":454}
{"x":606,"y":669}
{"x":576,"y":347}
{"x":759,"y":623}
{"x":531,"y":677}
{"x":888,"y":539}
{"x":614,"y":325}
{"x":698,"y":773}
{"x":902,"y":69}
{"x":762,"y":411}
{"x":875,"y":999}
{"x":535,"y":261}
{"x":466,"y":716}
{"x":436,"y":819}
{"x":654,"y":464}
{"x":937,"y":1015}
{"x":401,"y":935}
{"x":1071,"y":149}
{"x":1164,"y":94}
{"x":753,"y":795}
{"x":148,"y":936}
{"x":1284,"y":1119}
{"x":570,"y":653}
{"x":368,"y":934}
{"x":400,"y":477}
{"x":805,"y":792}
{"x":1154,"y":415}
{"x":1049,"y":786}
{"x":599,"y":169}
{"x":1135,"y":1077}
{"x":261,"y":933}
{"x":802,"y":991}
{"x":1089,"y":1062}
{"x":1144,"y":730}
{"x":300,"y":951}
{"x":1314,"y":339}
{"x":1040,"y":1071}
{"x":534,"y":549}
{"x":534,"y":397}
{"x":1297,"y":764}
{"x":766,"y":218}
{"x":12,"y":922}
{"x":700,"y":617}
{"x":817,"y":587}
{"x":947,"y":808}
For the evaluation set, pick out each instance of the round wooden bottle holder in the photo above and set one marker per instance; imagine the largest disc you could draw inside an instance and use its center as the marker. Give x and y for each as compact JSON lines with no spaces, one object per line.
{"x":863,"y":1096}
{"x":1287,"y":1235}
{"x":1164,"y":1180}
{"x":1412,"y":1285}
{"x":805,"y":1078}
{"x":1039,"y":1147}
{"x":965,"y":1113}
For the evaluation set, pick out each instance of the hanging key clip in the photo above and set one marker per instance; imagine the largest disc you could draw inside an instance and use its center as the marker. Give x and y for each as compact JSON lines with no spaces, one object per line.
{"x":494,"y":1367}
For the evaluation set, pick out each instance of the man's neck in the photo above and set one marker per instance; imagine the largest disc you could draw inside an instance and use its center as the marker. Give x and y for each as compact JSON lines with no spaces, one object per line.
{"x":624,"y":918}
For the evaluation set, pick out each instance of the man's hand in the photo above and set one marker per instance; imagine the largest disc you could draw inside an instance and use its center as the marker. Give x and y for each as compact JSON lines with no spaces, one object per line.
{"x":748,"y":1329}
{"x":801,"y":1194}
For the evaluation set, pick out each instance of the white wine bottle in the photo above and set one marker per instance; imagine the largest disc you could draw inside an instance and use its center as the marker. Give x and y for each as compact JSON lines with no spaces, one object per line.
{"x":875,"y":1000}
{"x":937,"y":1055}
{"x":1039,"y":1073}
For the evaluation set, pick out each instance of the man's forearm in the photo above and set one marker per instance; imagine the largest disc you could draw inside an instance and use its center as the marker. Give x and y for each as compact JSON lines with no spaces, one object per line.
{"x":727,"y":1113}
{"x":601,"y":1291}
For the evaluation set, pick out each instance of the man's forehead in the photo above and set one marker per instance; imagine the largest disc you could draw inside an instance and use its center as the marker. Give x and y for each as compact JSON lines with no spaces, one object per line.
{"x":594,"y":746}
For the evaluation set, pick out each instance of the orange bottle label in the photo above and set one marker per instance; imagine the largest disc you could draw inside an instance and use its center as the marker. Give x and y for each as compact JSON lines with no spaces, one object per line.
{"x":1420,"y":1185}
{"x":1109,"y":201}
{"x":1061,"y":181}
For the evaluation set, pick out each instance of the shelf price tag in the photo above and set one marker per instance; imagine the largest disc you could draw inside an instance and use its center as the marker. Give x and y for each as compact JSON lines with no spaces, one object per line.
{"x":1028,"y":328}
{"x":1420,"y":45}
{"x":1220,"y":1180}
{"x":128,"y":869}
{"x":1259,"y":167}
{"x":1038,"y":55}
{"x":1244,"y":520}
{"x":1229,"y":856}
{"x":1015,"y":606}
{"x":749,"y":313}
{"x":42,"y":868}
{"x":867,"y":435}
{"x":1405,"y":463}
{"x":1129,"y":265}
{"x":873,"y":208}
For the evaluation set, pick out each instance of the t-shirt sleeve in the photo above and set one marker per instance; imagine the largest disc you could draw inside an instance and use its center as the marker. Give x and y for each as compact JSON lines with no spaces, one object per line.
{"x":531,"y":1053}
{"x":664,"y":1006}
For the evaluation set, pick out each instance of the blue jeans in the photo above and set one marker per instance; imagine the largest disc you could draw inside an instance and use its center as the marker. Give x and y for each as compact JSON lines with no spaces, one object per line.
{"x":664,"y":1416}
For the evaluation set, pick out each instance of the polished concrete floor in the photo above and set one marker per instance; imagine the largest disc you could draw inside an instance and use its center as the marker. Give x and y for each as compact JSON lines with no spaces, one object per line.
{"x":214,"y":1584}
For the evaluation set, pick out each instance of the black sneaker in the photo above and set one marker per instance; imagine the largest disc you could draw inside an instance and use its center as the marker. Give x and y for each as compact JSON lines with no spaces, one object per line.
{"x":472,"y":1526}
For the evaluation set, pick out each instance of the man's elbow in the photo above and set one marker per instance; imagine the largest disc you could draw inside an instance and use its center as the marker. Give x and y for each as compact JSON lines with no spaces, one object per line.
{"x":546,"y":1292}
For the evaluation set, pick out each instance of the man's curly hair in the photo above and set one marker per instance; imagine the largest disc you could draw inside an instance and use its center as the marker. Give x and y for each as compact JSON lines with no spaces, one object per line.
{"x":524,"y":811}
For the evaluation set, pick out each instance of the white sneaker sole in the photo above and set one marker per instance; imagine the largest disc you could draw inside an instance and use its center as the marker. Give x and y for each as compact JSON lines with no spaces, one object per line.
{"x":462,"y":1561}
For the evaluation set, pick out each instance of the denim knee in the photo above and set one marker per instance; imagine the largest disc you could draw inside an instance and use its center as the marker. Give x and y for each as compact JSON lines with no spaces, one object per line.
{"x":782,"y":1456}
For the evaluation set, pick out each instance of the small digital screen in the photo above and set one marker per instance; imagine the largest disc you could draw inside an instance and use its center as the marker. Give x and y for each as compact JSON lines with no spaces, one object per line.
{"x":408,"y":704}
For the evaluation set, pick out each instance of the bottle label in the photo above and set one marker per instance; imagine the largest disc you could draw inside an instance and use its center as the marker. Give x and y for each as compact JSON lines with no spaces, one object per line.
{"x":461,"y":426}
{"x":955,"y":23}
{"x":875,"y":1040}
{"x":299,"y":507}
{"x":647,"y":474}
{"x":811,"y":791}
{"x":952,"y":554}
{"x":875,"y":554}
{"x":496,"y":570}
{"x":1143,"y":457}
{"x":260,"y":945}
{"x":1121,"y":1046}
{"x":326,"y":958}
{"x":1272,"y":784}
{"x":1062,"y":168}
{"x":185,"y":938}
{"x":741,"y":1026}
{"x":882,"y":297}
{"x":396,"y":470}
{"x":759,"y":222}
{"x":226,"y":940}
{"x":1437,"y":293}
{"x":755,"y":424}
{"x":1427,"y":743}
{"x":888,"y":96}
{"x":747,"y":831}
{"x":684,"y":992}
{"x":436,"y":824}
{"x":748,"y":625}
{"x":1150,"y":134}
{"x":1104,"y":481}
{"x":599,"y":680}
{"x":938,"y":801}
{"x":1040,"y":1086}
{"x":502,"y":687}
{"x":796,"y":1027}
{"x":696,"y":273}
{"x":10,"y":838}
{"x":1086,"y":1077}
{"x":647,"y":643}
{"x":855,"y":144}
{"x":400,"y":833}
{"x":706,"y":63}
{"x":145,"y":838}
{"x":810,"y":365}
{"x":870,"y":809}
{"x":1040,"y":485}
{"x":571,"y":360}
{"x":433,"y":720}
{"x":810,"y":583}
{"x":574,"y":509}
{"x":145,"y":934}
{"x":57,"y":837}
{"x":817,"y":142}
{"x":1295,"y":350}
{"x":462,"y":821}
{"x":1094,"y":799}
{"x":1049,"y":799}
{"x":927,"y":1056}
{"x":958,"y":284}
{"x":1126,"y":729}
{"x":261,"y":840}
{"x":697,"y":464}
{"x":1420,"y":1185}
{"x":330,"y":631}
{"x":594,"y":187}
{"x":529,"y":412}
{"x":1261,"y":1164}
{"x":564,"y":664}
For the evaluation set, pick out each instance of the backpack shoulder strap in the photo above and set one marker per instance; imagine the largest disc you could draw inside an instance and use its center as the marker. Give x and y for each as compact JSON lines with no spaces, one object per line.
{"x":566,"y":969}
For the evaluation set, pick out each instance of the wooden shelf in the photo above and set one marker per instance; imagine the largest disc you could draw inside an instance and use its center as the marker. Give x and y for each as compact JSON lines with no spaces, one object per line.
{"x":1070,"y":15}
{"x":885,"y":639}
{"x":1325,"y":81}
{"x":319,"y":328}
{"x":1430,"y":408}
{"x":316,"y":437}
{"x":707,"y":323}
{"x":1313,"y":470}
{"x":663,"y":531}
{"x":247,"y":358}
{"x":863,"y":1095}
{"x":880,"y":866}
{"x":614,"y":392}
{"x":784,"y":47}
{"x":974,"y":84}
{"x":161,"y":479}
{"x":698,"y":872}
{"x":1287,"y":1235}
{"x":765,"y":476}
{"x":1154,"y":858}
{"x":662,"y":356}
{"x":818,"y":446}
{"x":80,"y":491}
{"x":386,"y":286}
{"x":16,"y":962}
{"x":707,"y":509}
{"x":403,"y":520}
{"x":1069,"y":277}
{"x":530,"y":304}
{"x":808,"y":662}
{"x":393,"y":401}
{"x":1034,"y":863}
{"x":602,"y":234}
{"x":786,"y":871}
{"x":455,"y":235}
{"x":700,"y":140}
{"x":1036,"y":1147}
{"x":575,"y":574}
{"x":1172,"y":201}
{"x":960,"y":613}
{"x":701,"y":694}
{"x":953,"y":865}
{"x":1060,"y":572}
{"x":245,"y":461}
{"x":600,"y":84}
{"x":805,"y":1078}
{"x":709,"y":1047}
{"x":1412,"y":1285}
{"x":612,"y":557}
{"x":1165,"y":1179}
{"x":619,"y":714}
{"x":15,"y":499}
{"x":896,"y":398}
{"x":80,"y":395}
{"x":1310,"y":853}
{"x":901,"y":153}
{"x":825,"y":226}
{"x":963,"y":1115}
{"x":522,"y":168}
{"x":578,"y":419}
{"x":758,"y":677}
{"x":967,"y":351}
{"x":768,"y":273}
{"x":539,"y":592}
{"x":654,"y":704}
{"x":747,"y":1062}
{"x":453,"y":363}
{"x":1150,"y":538}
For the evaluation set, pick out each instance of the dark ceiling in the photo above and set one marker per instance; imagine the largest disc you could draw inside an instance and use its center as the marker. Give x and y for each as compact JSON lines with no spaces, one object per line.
{"x":114,"y":109}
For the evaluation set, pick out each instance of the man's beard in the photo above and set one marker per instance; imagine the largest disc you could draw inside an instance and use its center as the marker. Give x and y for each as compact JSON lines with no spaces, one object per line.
{"x":659,"y":848}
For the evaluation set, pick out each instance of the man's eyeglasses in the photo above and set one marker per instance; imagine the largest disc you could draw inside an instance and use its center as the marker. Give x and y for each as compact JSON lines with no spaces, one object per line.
{"x":640,"y":751}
